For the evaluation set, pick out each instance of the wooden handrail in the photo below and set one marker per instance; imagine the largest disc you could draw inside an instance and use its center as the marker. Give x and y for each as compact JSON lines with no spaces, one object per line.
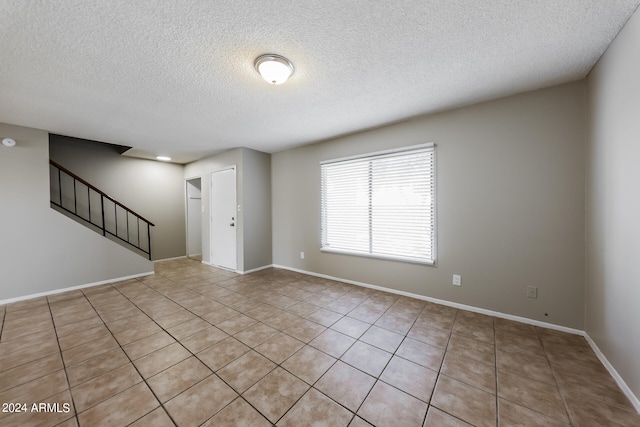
{"x":102,"y":193}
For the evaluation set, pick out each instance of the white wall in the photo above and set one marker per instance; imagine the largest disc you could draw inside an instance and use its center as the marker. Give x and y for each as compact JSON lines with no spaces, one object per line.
{"x":510,"y":206}
{"x":40,"y":249}
{"x":613,"y":204}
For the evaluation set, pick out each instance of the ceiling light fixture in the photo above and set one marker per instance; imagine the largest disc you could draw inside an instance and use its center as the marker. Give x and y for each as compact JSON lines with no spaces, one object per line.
{"x":8,"y":142}
{"x":275,"y":69}
{"x":163,"y":158}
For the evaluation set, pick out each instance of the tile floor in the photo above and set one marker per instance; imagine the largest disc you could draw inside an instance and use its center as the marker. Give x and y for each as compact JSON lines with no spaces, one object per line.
{"x":193,"y":345}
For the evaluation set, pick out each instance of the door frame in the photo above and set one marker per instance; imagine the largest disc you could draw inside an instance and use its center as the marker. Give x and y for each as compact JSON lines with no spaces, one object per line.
{"x":187,"y":216}
{"x":211,"y":203}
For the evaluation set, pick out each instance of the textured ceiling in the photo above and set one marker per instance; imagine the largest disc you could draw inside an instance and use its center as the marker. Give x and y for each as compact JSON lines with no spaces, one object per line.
{"x":177,"y":77}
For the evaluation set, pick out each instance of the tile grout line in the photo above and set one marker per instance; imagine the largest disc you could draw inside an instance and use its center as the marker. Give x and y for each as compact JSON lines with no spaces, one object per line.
{"x":377,"y":379}
{"x":306,"y":344}
{"x":193,"y":354}
{"x":201,"y":361}
{"x":237,"y":287}
{"x":177,"y":341}
{"x":343,"y":316}
{"x":455,"y":319}
{"x":240,"y":395}
{"x":534,"y":379}
{"x":64,"y":365}
{"x":131,"y":362}
{"x":354,"y":413}
{"x":555,"y":378}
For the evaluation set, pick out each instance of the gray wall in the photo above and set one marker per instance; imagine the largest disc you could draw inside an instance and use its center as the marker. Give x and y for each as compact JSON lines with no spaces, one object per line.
{"x":510,"y":206}
{"x":253,"y":183}
{"x":613,"y":204}
{"x":153,"y":189}
{"x":256,"y":172}
{"x":40,"y":249}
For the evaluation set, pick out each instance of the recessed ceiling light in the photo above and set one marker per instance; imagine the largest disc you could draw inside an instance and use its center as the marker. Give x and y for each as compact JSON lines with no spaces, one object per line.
{"x":275,"y":69}
{"x":163,"y":158}
{"x":8,"y":142}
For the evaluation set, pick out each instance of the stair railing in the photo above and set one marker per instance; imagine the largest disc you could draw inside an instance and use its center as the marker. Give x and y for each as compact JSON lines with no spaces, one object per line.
{"x":94,"y":207}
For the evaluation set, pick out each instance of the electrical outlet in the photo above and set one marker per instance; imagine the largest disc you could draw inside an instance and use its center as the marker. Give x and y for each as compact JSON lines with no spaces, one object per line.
{"x":456,"y":280}
{"x":532,"y":292}
{"x":301,"y":255}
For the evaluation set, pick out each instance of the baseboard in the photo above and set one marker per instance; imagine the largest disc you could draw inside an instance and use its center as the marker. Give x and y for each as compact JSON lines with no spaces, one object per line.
{"x":253,"y":270}
{"x":603,"y":359}
{"x":170,"y":259}
{"x":621,"y":383}
{"x":73,"y":288}
{"x":442,"y":302}
{"x":217,"y":266}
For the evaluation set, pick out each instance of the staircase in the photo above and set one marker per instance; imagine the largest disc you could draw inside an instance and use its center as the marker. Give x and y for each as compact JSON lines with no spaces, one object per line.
{"x":90,"y":206}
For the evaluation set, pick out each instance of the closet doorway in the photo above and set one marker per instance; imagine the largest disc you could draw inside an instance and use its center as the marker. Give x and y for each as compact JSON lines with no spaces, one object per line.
{"x":193,"y":191}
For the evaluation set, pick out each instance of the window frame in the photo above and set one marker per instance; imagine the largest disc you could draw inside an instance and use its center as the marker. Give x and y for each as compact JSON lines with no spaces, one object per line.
{"x":371,"y":156}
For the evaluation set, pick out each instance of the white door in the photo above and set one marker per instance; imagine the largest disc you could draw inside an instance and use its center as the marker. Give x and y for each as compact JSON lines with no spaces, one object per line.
{"x":223,"y":218}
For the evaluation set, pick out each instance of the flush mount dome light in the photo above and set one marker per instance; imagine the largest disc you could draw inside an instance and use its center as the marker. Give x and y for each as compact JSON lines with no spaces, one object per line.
{"x":275,"y":69}
{"x":8,"y":142}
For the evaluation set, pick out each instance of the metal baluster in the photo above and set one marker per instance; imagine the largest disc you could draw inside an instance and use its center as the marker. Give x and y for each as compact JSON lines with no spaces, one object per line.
{"x":104,"y":227}
{"x":75,"y":198}
{"x":149,"y":240}
{"x":128,"y":237}
{"x":60,"y":185}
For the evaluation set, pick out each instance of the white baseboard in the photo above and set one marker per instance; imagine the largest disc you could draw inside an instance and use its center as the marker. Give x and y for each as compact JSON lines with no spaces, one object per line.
{"x":169,"y":259}
{"x":74,"y":288}
{"x":441,"y":302}
{"x":217,"y":266}
{"x":619,"y":380}
{"x":621,"y":383}
{"x":253,"y":270}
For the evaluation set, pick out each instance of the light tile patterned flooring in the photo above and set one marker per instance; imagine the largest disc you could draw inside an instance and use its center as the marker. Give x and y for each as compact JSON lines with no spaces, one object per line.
{"x":194,"y":345}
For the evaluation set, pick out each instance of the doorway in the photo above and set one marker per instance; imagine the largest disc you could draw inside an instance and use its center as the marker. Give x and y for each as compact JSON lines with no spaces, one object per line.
{"x":223,"y":218}
{"x":193,"y":192}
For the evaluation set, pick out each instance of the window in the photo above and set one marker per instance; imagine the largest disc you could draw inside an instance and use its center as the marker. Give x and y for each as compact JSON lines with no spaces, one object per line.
{"x":381,"y":204}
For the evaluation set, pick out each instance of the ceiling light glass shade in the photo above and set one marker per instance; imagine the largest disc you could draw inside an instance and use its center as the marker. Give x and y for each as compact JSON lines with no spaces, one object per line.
{"x":8,"y":142}
{"x":275,"y":69}
{"x":163,"y":158}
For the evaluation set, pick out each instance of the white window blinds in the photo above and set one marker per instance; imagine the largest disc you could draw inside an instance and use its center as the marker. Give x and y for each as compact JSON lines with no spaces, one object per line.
{"x":381,"y":204}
